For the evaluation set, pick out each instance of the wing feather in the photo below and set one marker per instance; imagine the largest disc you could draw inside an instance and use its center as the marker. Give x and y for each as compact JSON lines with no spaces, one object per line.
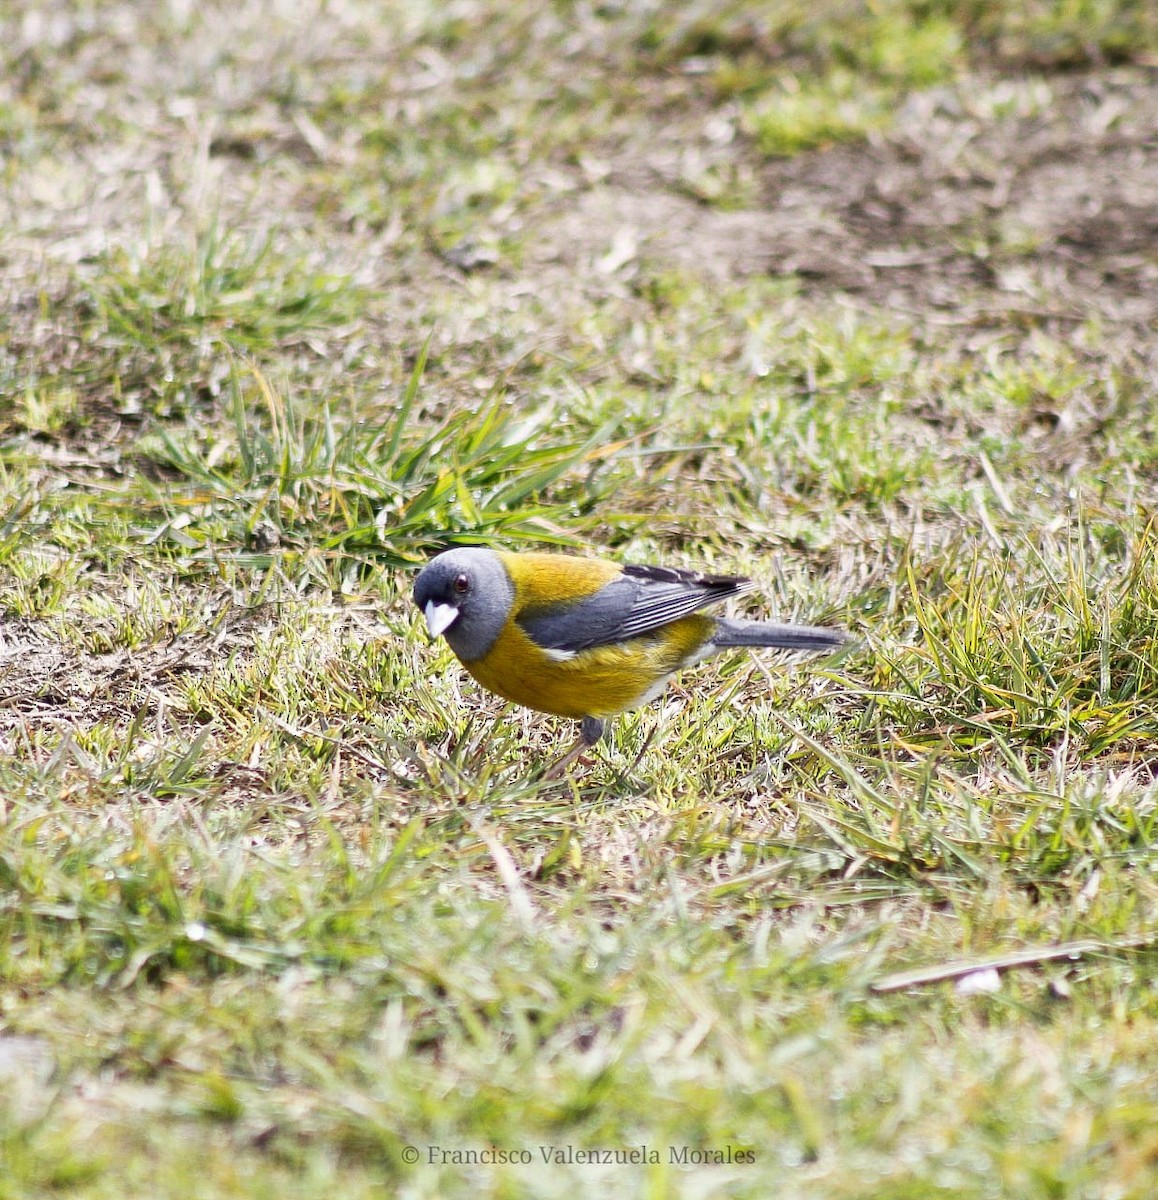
{"x":639,"y":601}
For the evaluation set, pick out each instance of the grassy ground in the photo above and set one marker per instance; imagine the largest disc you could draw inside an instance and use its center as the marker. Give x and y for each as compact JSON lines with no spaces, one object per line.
{"x":858,"y":300}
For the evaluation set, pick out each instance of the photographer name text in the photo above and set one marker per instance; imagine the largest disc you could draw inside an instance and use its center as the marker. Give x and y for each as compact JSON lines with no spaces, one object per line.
{"x":561,"y":1156}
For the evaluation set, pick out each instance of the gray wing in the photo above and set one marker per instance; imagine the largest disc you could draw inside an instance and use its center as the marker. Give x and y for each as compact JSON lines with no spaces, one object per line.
{"x":640,"y":600}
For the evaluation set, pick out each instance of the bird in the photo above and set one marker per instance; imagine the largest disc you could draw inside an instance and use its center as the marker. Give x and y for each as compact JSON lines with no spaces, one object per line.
{"x":586,"y":638}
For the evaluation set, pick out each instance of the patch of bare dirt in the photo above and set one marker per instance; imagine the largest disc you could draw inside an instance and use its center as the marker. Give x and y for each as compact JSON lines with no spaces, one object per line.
{"x":1030,"y":202}
{"x":46,"y":682}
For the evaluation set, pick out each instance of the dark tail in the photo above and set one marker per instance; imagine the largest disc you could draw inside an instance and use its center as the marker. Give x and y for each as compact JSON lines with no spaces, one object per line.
{"x":785,"y":637}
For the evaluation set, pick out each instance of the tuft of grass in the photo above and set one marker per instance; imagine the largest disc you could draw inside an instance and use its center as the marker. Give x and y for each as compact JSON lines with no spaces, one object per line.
{"x":809,"y":76}
{"x":1064,"y":654}
{"x":223,"y":291}
{"x":391,"y":489}
{"x":795,"y":118}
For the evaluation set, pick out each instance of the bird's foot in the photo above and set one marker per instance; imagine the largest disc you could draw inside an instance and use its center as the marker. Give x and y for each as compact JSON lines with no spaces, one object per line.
{"x":591,"y":729}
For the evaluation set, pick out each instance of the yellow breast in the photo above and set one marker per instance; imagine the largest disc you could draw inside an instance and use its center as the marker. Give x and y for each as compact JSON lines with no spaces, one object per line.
{"x":599,"y":682}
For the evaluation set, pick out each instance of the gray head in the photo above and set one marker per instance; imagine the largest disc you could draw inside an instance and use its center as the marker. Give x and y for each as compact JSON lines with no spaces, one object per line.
{"x":466,"y":595}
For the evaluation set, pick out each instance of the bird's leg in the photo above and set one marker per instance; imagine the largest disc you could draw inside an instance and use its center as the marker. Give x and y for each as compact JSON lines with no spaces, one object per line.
{"x":591,"y":729}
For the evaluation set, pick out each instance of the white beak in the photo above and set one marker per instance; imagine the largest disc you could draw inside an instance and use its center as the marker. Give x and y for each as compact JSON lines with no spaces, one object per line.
{"x":439,"y":617}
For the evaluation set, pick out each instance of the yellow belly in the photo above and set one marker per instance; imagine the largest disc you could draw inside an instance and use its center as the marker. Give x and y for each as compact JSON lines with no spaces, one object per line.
{"x":599,"y":682}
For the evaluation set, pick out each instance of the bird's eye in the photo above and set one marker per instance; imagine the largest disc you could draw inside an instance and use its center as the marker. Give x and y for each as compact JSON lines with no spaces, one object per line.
{"x":461,"y":584}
